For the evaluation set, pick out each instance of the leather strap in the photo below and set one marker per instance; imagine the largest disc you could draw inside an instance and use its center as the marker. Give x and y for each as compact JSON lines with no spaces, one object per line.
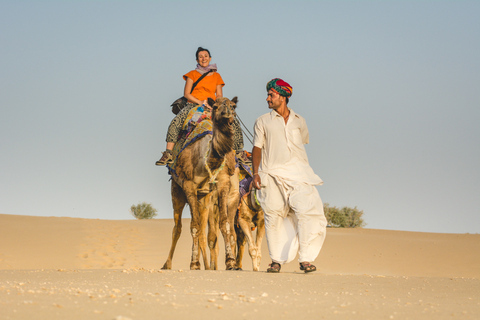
{"x":199,"y":79}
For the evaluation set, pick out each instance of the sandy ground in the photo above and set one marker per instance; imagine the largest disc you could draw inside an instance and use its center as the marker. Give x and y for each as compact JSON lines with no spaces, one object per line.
{"x":66,"y":268}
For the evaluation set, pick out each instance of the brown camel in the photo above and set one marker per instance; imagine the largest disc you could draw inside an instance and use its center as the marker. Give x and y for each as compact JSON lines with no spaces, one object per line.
{"x":250,"y":217}
{"x":206,"y":179}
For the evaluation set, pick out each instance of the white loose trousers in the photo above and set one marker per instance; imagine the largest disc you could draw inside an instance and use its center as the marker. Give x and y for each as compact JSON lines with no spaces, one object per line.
{"x":294,"y":219}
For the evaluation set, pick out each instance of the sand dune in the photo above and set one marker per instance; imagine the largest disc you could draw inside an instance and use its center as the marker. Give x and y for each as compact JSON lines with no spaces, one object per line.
{"x":67,"y":268}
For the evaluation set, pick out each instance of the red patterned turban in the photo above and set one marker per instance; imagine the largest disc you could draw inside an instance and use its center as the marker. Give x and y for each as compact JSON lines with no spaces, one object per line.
{"x":281,"y":87}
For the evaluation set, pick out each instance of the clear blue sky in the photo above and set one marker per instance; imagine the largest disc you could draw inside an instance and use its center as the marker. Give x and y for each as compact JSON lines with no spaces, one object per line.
{"x":390,"y":91}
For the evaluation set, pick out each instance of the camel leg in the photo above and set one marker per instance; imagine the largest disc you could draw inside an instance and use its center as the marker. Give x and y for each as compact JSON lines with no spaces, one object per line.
{"x":240,"y":246}
{"x":195,"y":223}
{"x":232,"y":212}
{"x":228,"y":204}
{"x":260,"y":234}
{"x":178,"y":200}
{"x":213,"y":237}
{"x":245,"y":224}
{"x":201,"y":234}
{"x":226,"y":229}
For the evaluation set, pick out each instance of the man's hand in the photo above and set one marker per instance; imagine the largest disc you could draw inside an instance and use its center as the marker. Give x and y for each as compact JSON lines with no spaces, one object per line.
{"x":257,"y":182}
{"x":256,"y":158}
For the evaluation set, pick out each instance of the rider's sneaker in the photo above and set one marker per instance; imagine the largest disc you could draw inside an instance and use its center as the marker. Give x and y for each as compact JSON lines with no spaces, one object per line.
{"x":167,"y":158}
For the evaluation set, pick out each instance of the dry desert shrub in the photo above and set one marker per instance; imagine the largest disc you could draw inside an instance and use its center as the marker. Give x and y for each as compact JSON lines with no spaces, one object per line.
{"x":143,"y":211}
{"x":343,"y":217}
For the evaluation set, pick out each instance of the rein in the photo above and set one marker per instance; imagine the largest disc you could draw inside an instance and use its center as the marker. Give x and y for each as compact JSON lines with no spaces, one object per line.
{"x":250,"y":135}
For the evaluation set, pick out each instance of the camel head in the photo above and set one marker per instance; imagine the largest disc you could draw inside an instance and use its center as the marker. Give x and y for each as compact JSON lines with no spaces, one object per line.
{"x":223,"y":110}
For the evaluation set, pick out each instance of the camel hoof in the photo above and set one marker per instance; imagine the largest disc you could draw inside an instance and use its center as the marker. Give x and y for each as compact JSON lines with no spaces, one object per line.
{"x":166,"y":267}
{"x":195,"y":266}
{"x":230,"y":264}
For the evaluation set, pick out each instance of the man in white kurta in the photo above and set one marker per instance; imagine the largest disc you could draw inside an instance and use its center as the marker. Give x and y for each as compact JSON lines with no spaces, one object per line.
{"x":294,"y":217}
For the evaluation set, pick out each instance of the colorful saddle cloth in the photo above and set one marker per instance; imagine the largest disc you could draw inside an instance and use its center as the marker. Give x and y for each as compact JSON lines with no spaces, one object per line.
{"x":197,"y":125}
{"x":245,"y":177}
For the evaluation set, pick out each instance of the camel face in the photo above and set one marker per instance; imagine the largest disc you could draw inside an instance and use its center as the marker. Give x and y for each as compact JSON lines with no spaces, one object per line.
{"x":224,"y":110}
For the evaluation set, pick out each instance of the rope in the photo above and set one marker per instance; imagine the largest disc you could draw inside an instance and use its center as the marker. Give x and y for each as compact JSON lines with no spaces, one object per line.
{"x":213,"y":176}
{"x":246,"y":203}
{"x":248,"y":137}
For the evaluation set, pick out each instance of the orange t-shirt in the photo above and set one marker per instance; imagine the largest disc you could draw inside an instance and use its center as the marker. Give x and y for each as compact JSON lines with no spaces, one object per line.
{"x":207,"y":87}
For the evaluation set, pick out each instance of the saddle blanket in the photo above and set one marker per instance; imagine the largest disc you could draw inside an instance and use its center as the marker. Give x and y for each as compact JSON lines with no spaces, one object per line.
{"x":197,"y":125}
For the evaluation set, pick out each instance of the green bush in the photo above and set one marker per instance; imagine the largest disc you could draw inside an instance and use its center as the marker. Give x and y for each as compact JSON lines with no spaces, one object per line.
{"x":343,"y":218}
{"x":143,"y":211}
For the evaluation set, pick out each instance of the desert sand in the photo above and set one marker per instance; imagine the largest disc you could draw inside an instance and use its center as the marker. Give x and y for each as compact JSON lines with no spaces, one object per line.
{"x":69,"y":268}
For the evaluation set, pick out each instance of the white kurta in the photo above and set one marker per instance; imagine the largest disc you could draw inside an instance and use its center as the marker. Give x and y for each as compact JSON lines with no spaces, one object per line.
{"x":294,"y":218}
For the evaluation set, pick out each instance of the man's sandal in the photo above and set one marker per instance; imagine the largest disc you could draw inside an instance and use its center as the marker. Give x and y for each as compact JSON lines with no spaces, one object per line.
{"x":307,"y":267}
{"x":274,"y":267}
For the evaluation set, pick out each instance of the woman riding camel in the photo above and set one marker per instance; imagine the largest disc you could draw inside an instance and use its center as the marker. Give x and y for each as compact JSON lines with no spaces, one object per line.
{"x":209,"y":87}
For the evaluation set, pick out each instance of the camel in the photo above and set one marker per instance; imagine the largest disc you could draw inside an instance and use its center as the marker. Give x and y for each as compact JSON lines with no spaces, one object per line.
{"x":250,"y":216}
{"x":206,"y":179}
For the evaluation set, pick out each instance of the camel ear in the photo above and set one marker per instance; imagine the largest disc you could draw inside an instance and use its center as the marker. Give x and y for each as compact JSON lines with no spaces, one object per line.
{"x":235,"y":100}
{"x":211,"y":102}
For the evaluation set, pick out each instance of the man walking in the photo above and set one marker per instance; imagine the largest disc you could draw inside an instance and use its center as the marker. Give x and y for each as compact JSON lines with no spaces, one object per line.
{"x":294,"y":217}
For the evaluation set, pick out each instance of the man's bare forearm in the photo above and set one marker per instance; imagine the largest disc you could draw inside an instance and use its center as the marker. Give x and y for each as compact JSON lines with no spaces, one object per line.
{"x":256,"y":159}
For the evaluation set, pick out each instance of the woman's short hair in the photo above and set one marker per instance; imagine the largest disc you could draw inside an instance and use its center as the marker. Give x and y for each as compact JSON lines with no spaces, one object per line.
{"x":200,"y":49}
